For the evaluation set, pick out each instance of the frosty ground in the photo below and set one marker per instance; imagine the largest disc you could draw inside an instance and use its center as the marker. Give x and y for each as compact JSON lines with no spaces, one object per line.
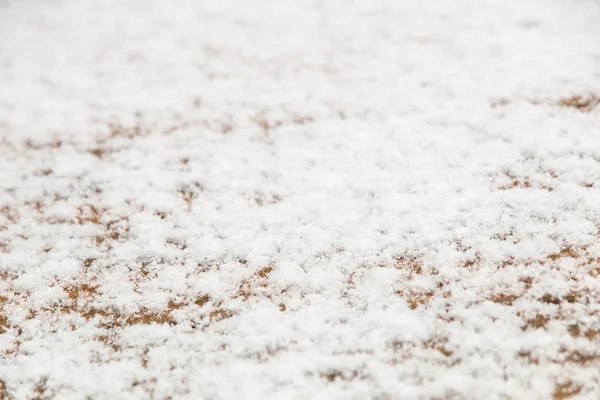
{"x":300,"y":199}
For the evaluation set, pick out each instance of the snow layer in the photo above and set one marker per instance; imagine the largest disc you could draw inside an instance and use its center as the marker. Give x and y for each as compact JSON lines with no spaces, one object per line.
{"x":299,"y":199}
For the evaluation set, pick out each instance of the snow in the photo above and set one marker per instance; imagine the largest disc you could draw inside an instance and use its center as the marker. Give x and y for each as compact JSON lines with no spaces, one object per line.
{"x":307,"y":200}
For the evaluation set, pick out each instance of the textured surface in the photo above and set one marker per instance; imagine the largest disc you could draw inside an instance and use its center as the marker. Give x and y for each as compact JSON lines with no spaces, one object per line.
{"x":299,"y":199}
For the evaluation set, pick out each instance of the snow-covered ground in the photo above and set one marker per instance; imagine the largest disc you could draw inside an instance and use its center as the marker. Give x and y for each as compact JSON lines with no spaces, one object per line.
{"x":299,"y":199}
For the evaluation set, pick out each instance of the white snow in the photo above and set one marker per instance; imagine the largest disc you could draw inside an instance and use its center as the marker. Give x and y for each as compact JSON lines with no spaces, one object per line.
{"x":299,"y":199}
